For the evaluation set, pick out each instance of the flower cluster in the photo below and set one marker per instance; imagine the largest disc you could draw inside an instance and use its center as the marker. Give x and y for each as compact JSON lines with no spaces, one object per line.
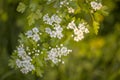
{"x":54,"y":21}
{"x":34,"y":34}
{"x":24,"y":61}
{"x":70,"y":10}
{"x":56,"y":53}
{"x":78,"y":31}
{"x":31,"y":56}
{"x":95,"y":5}
{"x":64,"y":3}
{"x":57,"y":32}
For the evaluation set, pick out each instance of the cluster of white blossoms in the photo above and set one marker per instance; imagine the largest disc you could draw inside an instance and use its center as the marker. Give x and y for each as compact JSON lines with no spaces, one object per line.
{"x":24,"y":61}
{"x":56,"y":53}
{"x":56,"y":33}
{"x":55,"y":22}
{"x":71,"y":10}
{"x":34,"y":34}
{"x":78,"y":31}
{"x":95,"y":5}
{"x":64,"y":3}
{"x":54,"y":19}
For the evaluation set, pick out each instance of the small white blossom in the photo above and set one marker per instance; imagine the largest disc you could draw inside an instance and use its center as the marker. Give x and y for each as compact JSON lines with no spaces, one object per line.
{"x":64,"y":51}
{"x":33,"y":34}
{"x":49,"y":21}
{"x":48,"y":30}
{"x":57,"y":27}
{"x":56,"y":33}
{"x":24,"y":63}
{"x":21,"y":51}
{"x":53,"y":34}
{"x":86,"y":30}
{"x":71,"y":10}
{"x":95,"y":5}
{"x":59,"y":35}
{"x":28,"y":67}
{"x":35,"y":30}
{"x":18,"y":63}
{"x":29,"y":34}
{"x":54,"y":19}
{"x":45,"y":17}
{"x":64,"y":3}
{"x":24,"y":70}
{"x":55,"y":54}
{"x":78,"y":31}
{"x":36,"y":37}
{"x":71,"y":25}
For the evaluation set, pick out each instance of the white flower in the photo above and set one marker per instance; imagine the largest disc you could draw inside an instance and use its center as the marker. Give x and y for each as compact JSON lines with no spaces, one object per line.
{"x":81,"y":26}
{"x":56,"y":33}
{"x":29,"y":33}
{"x":21,"y":51}
{"x":49,"y":21}
{"x":48,"y":30}
{"x":56,"y":19}
{"x":95,"y":5}
{"x":27,"y":58}
{"x":78,"y":37}
{"x":24,"y":61}
{"x":18,"y":63}
{"x":86,"y":30}
{"x":27,"y":69}
{"x":64,"y":3}
{"x":59,"y":35}
{"x":33,"y":34}
{"x":55,"y":54}
{"x":58,"y":28}
{"x":70,"y":10}
{"x":53,"y":34}
{"x":63,"y":50}
{"x":45,"y":17}
{"x":71,"y":25}
{"x":24,"y":70}
{"x":35,"y":30}
{"x":78,"y":31}
{"x":36,"y":37}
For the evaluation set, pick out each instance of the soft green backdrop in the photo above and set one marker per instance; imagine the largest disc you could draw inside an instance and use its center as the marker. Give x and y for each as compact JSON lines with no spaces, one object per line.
{"x":94,"y":58}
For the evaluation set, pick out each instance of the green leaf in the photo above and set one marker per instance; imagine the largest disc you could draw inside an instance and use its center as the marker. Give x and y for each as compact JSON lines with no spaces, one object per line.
{"x":77,"y":10}
{"x":39,"y":72}
{"x":96,"y":26}
{"x":12,"y":61}
{"x":31,"y":18}
{"x":34,"y":16}
{"x":21,"y":7}
{"x":39,"y":14}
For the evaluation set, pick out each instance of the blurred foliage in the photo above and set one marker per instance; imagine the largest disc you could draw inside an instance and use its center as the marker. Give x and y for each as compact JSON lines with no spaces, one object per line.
{"x":94,"y":58}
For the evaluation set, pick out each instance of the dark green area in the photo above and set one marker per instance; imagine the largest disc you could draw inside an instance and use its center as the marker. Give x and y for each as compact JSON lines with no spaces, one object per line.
{"x":94,"y":58}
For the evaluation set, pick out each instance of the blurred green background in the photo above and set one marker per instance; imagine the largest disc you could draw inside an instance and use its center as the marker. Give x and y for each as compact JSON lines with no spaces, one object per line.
{"x":94,"y":58}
